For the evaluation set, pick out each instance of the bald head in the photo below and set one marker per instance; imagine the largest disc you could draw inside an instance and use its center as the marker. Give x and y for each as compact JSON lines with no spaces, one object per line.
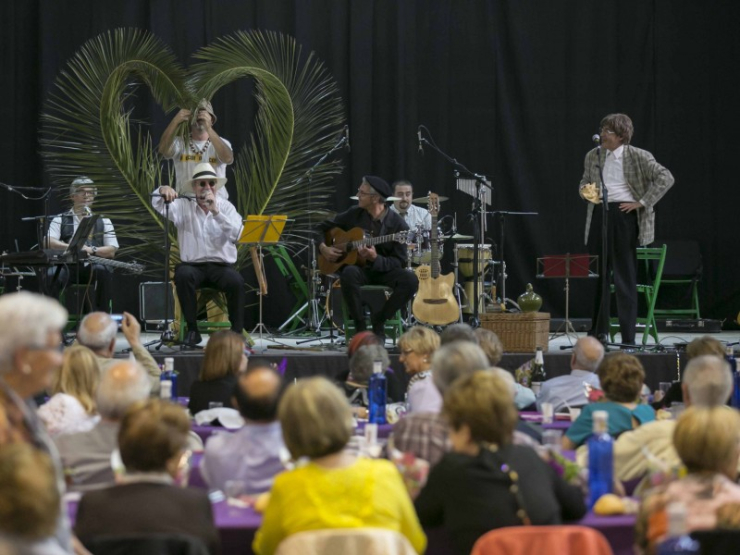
{"x":98,"y":333}
{"x":588,"y":353}
{"x":122,"y":385}
{"x":257,"y":393}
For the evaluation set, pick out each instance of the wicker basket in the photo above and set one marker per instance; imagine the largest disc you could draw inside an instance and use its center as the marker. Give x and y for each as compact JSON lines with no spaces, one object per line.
{"x":520,"y":332}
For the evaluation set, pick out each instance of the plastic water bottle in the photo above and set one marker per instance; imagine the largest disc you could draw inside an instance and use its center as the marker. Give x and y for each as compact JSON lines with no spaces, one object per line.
{"x":377,"y":394}
{"x":538,"y":371}
{"x":678,"y":540}
{"x":730,"y":356}
{"x":168,"y":380}
{"x":600,"y":458}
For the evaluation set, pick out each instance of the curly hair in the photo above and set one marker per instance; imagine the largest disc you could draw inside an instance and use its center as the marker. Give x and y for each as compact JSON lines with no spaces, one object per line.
{"x":621,"y":124}
{"x":621,"y":376}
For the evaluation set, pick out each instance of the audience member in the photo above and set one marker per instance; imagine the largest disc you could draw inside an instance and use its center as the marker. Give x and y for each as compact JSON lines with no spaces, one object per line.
{"x":621,"y":376}
{"x":30,"y":337}
{"x":72,"y":405}
{"x":705,"y":345}
{"x":569,"y":390}
{"x":253,"y":453}
{"x":224,"y":359}
{"x":487,"y":482}
{"x":30,"y":502}
{"x":706,"y":440}
{"x":494,"y":349}
{"x":86,"y":456}
{"x":707,"y":382}
{"x":152,"y":441}
{"x":458,"y":332}
{"x":360,"y":369}
{"x":335,"y":489}
{"x":417,"y":347}
{"x":425,"y":434}
{"x":98,"y":333}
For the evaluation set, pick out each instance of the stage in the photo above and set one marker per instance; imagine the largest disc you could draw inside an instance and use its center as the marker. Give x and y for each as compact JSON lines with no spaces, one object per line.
{"x":662,"y":363}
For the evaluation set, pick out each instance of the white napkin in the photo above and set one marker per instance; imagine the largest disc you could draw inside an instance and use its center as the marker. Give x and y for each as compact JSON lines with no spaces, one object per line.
{"x":229,"y":418}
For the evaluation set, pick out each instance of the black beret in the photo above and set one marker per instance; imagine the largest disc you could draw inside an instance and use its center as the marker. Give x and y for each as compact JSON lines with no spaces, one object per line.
{"x":380,"y":185}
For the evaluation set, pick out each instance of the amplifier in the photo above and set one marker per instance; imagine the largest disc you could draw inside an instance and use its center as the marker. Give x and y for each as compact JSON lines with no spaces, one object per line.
{"x":151,"y":302}
{"x":700,"y":325}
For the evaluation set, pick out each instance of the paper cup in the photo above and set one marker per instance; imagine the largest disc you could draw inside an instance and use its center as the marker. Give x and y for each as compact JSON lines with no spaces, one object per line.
{"x":574,"y":414}
{"x":548,"y":413}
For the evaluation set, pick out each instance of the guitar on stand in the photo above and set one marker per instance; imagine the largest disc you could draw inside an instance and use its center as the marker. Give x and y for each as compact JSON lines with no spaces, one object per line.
{"x":435,"y":302}
{"x":348,"y":242}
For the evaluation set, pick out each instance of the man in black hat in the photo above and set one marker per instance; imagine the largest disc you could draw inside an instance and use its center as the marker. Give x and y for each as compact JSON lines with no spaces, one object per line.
{"x":383,"y":263}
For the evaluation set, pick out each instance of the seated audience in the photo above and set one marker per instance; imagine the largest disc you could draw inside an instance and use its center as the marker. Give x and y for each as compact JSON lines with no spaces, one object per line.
{"x":707,"y":382}
{"x":152,"y":441}
{"x":621,"y":376}
{"x":360,"y":369}
{"x":569,"y":390}
{"x":417,"y":347}
{"x":705,"y":345}
{"x":494,"y":349}
{"x":253,"y":453}
{"x":224,"y":358}
{"x":30,"y":502}
{"x":72,"y":405}
{"x":706,"y":440}
{"x":334,"y":489}
{"x":458,"y":332}
{"x":86,"y":456}
{"x":98,"y":333}
{"x":486,"y":482}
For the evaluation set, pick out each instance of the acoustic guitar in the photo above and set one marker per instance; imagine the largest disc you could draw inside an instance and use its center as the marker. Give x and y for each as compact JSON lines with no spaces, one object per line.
{"x":435,"y":302}
{"x":348,"y":242}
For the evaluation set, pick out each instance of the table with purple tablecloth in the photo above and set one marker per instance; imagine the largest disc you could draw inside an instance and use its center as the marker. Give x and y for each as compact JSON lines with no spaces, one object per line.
{"x":536,"y":418}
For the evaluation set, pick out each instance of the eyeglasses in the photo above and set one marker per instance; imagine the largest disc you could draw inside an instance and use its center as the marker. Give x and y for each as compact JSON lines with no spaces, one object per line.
{"x":362,"y":193}
{"x":607,"y":131}
{"x":407,"y":352}
{"x":206,"y":183}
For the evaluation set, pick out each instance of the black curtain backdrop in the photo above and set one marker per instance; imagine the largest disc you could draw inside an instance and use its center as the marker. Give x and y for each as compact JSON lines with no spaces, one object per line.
{"x":511,"y":88}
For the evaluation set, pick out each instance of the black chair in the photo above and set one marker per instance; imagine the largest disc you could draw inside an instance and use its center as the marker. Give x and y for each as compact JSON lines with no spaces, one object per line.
{"x":149,"y":544}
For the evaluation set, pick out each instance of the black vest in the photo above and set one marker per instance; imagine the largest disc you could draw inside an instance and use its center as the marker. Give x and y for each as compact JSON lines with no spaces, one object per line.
{"x":67,"y":231}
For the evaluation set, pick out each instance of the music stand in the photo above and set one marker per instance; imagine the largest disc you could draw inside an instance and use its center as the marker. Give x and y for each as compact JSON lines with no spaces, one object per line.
{"x":85,"y":229}
{"x":262,"y":230}
{"x":567,"y":266}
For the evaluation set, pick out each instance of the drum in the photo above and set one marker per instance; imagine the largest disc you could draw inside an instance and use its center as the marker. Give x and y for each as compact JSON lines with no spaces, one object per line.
{"x":422,"y":251}
{"x":333,"y":306}
{"x":484,"y":288}
{"x":465,"y":259}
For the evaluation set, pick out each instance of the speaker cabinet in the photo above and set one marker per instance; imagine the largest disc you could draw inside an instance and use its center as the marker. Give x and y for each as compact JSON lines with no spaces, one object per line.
{"x":151,"y":302}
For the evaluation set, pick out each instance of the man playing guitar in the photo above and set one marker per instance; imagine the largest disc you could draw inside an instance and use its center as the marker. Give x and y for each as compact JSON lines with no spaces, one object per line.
{"x":377,"y":265}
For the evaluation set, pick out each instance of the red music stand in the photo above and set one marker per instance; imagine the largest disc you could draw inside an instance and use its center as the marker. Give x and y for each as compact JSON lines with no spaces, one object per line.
{"x":567,"y":266}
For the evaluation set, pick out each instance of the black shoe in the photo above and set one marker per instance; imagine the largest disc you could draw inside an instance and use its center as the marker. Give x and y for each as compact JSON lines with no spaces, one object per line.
{"x":193,"y":338}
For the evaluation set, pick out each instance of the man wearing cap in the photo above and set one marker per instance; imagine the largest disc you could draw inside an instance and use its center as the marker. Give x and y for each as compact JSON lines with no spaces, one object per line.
{"x":203,"y":145}
{"x":208,"y":227}
{"x":102,"y":244}
{"x":383,"y":263}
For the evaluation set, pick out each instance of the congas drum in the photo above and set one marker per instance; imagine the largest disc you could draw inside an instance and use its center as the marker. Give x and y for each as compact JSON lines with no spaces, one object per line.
{"x":483,"y":287}
{"x":465,"y":259}
{"x":422,"y":253}
{"x":333,"y":306}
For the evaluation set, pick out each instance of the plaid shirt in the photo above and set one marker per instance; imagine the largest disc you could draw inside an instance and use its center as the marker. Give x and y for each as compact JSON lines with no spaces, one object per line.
{"x":647,"y":180}
{"x":425,"y":434}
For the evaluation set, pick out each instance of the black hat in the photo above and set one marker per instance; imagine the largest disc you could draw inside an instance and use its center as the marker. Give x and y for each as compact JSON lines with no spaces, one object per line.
{"x":380,"y":185}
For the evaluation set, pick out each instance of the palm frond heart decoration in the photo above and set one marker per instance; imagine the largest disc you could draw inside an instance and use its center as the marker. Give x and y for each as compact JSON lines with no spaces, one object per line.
{"x":91,"y":125}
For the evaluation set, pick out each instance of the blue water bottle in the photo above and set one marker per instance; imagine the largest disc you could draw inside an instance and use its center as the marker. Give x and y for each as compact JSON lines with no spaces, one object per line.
{"x":730,"y":356}
{"x":600,"y":458}
{"x":678,"y":540}
{"x":377,"y":394}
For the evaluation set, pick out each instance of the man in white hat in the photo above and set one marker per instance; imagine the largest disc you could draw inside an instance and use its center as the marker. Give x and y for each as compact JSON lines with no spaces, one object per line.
{"x":202,"y":145}
{"x":102,"y":243}
{"x":208,"y":227}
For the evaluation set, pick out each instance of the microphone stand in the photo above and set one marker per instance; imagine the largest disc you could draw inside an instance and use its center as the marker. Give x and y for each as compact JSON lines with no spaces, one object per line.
{"x":602,"y":316}
{"x":480,"y":183}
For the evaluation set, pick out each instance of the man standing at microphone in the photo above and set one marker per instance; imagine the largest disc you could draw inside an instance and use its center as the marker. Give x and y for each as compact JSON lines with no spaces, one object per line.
{"x":208,"y":227}
{"x":635,"y":182}
{"x":203,"y":145}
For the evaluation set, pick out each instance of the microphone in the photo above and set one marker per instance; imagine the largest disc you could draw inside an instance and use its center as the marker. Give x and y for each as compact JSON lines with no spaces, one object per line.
{"x":421,"y":146}
{"x":87,"y":210}
{"x":346,"y":138}
{"x":596,"y":138}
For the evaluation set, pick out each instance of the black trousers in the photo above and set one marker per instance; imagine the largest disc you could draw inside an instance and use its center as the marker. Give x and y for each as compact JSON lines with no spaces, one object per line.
{"x":403,"y":282}
{"x":96,"y":295}
{"x":224,"y":277}
{"x":621,"y":258}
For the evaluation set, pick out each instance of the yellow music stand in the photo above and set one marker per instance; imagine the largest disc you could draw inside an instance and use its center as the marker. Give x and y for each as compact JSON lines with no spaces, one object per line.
{"x":261,"y":230}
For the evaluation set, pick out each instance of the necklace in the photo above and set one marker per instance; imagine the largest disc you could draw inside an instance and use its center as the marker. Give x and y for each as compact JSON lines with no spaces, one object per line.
{"x":202,"y":150}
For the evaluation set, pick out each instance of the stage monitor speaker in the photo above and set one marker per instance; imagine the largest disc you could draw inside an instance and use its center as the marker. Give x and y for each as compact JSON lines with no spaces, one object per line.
{"x":151,"y":302}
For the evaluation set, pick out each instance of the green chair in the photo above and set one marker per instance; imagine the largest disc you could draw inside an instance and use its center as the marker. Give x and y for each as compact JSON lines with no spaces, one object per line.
{"x":682,"y":273}
{"x":205,"y":295}
{"x":653,"y":259}
{"x":370,"y":297}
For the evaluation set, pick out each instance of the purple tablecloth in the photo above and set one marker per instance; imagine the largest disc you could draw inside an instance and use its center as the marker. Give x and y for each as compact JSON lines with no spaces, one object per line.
{"x":536,"y":418}
{"x":384,"y":430}
{"x":204,"y":432}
